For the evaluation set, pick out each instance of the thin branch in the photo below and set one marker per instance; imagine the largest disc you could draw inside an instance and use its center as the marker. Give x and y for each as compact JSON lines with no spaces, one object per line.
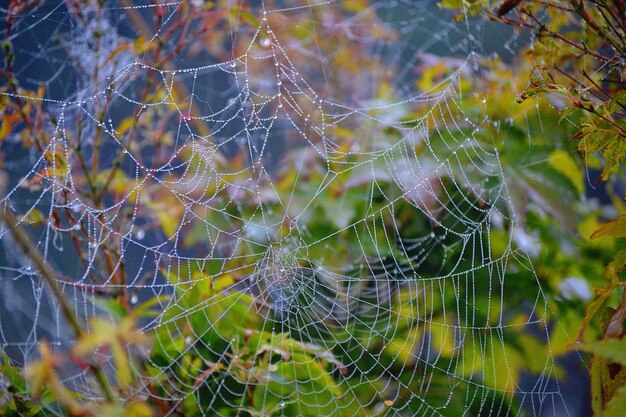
{"x":31,"y":251}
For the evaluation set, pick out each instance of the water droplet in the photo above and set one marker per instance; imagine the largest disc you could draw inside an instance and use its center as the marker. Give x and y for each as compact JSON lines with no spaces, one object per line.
{"x":282,"y":404}
{"x":140,"y":234}
{"x":134,"y":299}
{"x":265,"y":42}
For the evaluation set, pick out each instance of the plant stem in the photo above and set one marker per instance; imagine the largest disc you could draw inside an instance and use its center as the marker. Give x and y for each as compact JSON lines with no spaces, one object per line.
{"x":31,"y":251}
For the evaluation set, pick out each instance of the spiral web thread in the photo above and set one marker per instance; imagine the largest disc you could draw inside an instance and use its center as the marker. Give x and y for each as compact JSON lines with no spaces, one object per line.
{"x":392,"y":304}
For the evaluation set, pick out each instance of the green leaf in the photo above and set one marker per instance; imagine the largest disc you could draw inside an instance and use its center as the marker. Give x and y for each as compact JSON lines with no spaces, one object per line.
{"x":617,"y":265}
{"x":112,"y":306}
{"x":593,"y":308}
{"x":613,"y":154}
{"x":612,"y":349}
{"x":616,"y":405}
{"x":596,"y":371}
{"x":608,"y":376}
{"x":616,"y":103}
{"x":594,"y":138}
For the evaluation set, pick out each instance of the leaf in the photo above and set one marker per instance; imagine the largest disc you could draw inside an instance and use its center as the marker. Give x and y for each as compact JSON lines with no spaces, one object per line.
{"x":616,"y":405}
{"x":114,"y":336}
{"x":593,"y":307}
{"x":617,"y":265}
{"x":562,"y":162}
{"x":146,"y":309}
{"x":6,"y":126}
{"x":15,"y":397}
{"x":356,"y":6}
{"x":612,"y":349}
{"x":594,"y":138}
{"x":112,"y":306}
{"x":245,"y":16}
{"x":39,"y":373}
{"x":442,"y":339}
{"x":616,"y":103}
{"x":34,"y":217}
{"x":615,"y":228}
{"x":613,"y":154}
{"x":597,"y":365}
{"x":608,"y":376}
{"x":451,"y":4}
{"x":139,"y":409}
{"x":169,"y":211}
{"x":469,"y":6}
{"x":100,"y":335}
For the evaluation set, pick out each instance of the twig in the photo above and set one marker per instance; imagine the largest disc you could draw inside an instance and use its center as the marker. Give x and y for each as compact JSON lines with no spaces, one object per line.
{"x":29,"y":250}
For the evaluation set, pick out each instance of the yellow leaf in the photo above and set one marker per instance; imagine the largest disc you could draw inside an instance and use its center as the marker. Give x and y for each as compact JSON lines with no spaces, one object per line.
{"x":562,"y":162}
{"x":442,"y":337}
{"x":615,"y":228}
{"x":6,"y":127}
{"x":126,"y":124}
{"x":404,"y":348}
{"x":139,"y":410}
{"x":122,"y":369}
{"x":356,"y":6}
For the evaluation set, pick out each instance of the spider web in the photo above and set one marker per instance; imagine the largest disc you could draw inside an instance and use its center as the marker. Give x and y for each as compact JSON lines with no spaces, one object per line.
{"x":311,"y":247}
